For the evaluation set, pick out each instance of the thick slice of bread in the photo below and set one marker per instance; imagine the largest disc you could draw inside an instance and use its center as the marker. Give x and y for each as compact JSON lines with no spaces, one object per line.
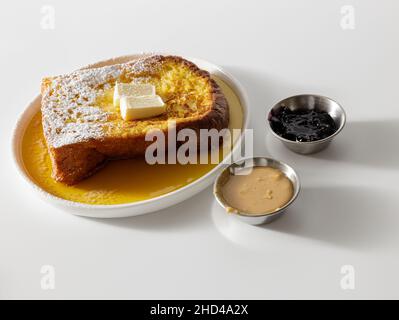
{"x":83,"y":129}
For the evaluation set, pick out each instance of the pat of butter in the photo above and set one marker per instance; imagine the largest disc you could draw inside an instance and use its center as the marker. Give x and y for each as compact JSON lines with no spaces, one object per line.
{"x":132,"y":89}
{"x":133,"y":108}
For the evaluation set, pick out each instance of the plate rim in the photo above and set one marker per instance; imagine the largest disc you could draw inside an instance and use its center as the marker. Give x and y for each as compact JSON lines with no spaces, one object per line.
{"x":28,"y":112}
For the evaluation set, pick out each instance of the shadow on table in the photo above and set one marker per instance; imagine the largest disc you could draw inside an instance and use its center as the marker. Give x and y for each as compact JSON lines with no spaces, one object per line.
{"x":187,"y":214}
{"x":340,"y":215}
{"x":350,"y":217}
{"x":371,"y":143}
{"x":264,"y":90}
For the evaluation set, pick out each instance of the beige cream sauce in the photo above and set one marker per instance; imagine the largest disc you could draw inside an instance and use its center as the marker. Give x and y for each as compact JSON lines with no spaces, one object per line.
{"x":258,"y":190}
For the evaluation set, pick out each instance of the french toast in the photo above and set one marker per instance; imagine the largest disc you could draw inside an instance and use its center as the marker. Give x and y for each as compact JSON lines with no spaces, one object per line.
{"x":83,"y":130}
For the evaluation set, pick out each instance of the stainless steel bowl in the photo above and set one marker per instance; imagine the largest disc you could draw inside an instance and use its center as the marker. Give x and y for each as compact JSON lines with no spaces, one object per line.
{"x":249,"y":163}
{"x":310,"y":102}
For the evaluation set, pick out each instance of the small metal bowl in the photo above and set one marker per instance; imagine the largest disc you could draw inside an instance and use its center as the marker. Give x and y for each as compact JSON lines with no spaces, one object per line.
{"x":310,"y":102}
{"x":250,"y":163}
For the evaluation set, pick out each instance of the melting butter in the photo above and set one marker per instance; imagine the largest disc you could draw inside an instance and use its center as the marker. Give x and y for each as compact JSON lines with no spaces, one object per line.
{"x":121,"y":181}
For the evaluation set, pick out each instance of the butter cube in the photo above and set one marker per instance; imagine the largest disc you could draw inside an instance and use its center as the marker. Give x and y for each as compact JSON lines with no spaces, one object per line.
{"x":132,"y":89}
{"x":134,"y":108}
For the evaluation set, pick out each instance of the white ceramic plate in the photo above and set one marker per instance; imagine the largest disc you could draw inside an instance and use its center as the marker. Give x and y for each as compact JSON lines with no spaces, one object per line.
{"x":140,"y":207}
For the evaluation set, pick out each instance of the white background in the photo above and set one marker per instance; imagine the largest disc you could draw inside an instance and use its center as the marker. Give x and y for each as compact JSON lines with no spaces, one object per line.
{"x":347,"y":212}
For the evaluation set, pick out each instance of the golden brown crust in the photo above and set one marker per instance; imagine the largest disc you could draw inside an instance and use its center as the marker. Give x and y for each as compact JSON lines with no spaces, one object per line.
{"x":76,"y":161}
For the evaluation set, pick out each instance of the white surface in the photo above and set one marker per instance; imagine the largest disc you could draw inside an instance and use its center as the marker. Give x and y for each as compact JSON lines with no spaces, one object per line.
{"x":348,"y":210}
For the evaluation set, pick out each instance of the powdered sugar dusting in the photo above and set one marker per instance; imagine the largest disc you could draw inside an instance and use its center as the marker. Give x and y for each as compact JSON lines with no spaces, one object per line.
{"x":69,"y":103}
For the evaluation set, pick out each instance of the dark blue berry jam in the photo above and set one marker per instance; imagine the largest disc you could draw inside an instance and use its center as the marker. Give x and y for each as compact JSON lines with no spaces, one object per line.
{"x":302,"y":125}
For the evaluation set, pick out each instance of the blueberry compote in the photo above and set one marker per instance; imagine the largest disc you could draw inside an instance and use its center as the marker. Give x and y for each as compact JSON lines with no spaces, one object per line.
{"x":302,"y":125}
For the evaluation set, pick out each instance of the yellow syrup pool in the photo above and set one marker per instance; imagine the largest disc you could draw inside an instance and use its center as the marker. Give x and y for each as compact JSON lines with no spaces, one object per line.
{"x":121,"y":181}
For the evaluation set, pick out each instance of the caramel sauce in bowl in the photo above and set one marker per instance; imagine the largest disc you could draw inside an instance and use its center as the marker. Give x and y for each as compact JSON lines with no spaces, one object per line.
{"x":257,"y":190}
